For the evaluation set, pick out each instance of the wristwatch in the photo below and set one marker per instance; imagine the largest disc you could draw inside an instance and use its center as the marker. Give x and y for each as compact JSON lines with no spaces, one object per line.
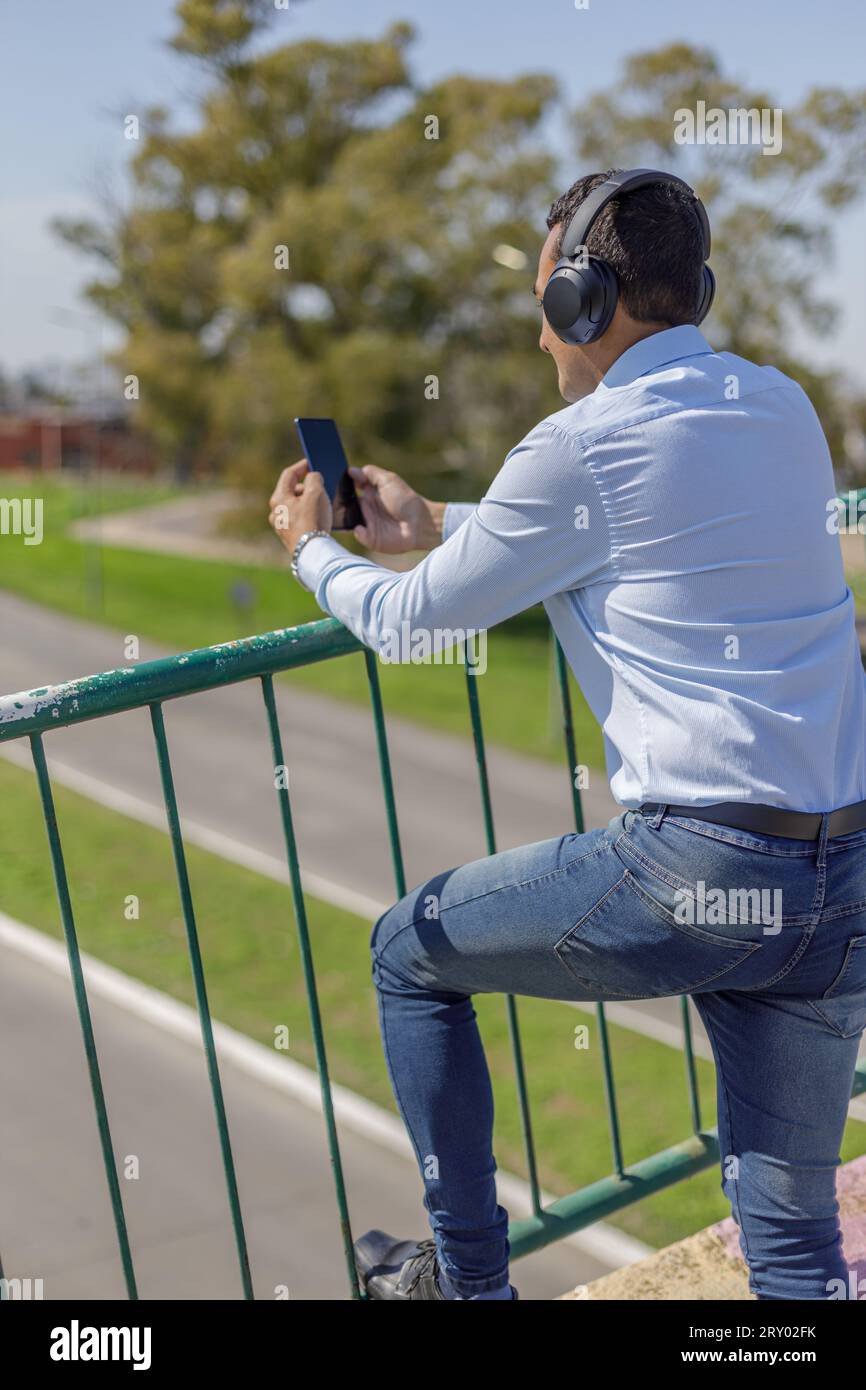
{"x":296,"y":553}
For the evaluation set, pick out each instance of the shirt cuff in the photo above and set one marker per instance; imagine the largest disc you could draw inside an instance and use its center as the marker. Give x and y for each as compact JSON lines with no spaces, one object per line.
{"x":454,"y":516}
{"x":315,"y":555}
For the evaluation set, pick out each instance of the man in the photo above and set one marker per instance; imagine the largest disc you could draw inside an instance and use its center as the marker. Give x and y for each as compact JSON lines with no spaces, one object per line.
{"x":673,"y":521}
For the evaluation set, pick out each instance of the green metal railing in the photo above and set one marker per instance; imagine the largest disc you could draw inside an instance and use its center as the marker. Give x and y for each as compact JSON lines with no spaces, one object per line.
{"x":150,"y":684}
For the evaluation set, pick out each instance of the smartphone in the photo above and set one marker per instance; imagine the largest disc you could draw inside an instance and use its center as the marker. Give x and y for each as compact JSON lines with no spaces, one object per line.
{"x":323,"y":450}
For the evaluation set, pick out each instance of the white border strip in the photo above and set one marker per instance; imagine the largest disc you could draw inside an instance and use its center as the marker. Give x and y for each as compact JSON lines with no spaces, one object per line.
{"x":362,"y":1117}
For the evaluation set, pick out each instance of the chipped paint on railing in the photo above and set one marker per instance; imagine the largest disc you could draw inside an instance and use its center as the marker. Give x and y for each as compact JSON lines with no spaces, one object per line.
{"x":132,"y":687}
{"x":28,"y":703}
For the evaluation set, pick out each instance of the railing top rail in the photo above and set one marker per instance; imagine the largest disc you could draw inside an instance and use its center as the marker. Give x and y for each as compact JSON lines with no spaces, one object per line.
{"x":130,"y":687}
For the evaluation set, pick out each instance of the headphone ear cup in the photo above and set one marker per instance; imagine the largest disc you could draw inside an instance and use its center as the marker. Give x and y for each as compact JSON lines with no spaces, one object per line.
{"x":707,"y":295}
{"x":579,"y":300}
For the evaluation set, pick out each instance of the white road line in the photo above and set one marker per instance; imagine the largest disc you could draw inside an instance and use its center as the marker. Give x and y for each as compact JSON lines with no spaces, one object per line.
{"x":363,"y":1117}
{"x":127,"y":804}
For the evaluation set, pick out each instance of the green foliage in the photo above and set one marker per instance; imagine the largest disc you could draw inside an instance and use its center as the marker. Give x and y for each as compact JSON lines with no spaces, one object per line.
{"x":323,"y":149}
{"x":391,"y":312}
{"x":771,"y":215}
{"x":217,"y":30}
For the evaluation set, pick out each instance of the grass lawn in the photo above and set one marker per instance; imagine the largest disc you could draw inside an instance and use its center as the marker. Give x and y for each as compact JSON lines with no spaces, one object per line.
{"x":255,"y":984}
{"x":183,"y":603}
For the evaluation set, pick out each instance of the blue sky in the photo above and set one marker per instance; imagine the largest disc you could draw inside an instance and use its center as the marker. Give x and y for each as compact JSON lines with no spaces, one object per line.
{"x":70,"y":70}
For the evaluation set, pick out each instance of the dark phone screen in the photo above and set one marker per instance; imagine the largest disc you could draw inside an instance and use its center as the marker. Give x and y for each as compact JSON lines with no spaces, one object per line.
{"x":323,"y":450}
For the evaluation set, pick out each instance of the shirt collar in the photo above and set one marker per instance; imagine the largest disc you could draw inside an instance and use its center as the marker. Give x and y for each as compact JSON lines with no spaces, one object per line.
{"x":657,"y":350}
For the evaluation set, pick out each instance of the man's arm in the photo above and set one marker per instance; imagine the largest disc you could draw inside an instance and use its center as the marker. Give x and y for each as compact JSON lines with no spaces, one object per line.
{"x":540,"y":529}
{"x":453,"y":516}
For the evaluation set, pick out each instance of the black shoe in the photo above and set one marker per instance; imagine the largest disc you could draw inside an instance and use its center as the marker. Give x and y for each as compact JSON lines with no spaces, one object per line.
{"x":399,"y":1269}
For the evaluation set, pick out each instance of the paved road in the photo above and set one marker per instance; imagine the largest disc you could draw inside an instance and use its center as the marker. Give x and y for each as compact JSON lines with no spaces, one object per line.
{"x":55,"y":1218}
{"x":187,"y":525}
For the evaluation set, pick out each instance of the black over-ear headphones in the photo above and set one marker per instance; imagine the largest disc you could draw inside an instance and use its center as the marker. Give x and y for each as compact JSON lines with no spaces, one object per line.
{"x":580,"y":296}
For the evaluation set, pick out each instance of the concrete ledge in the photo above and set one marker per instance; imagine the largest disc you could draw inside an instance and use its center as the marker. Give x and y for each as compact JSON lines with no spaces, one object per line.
{"x":708,"y":1266}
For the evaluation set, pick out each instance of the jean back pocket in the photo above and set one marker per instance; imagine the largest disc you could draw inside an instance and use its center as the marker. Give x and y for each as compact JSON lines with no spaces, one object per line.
{"x":631,"y":946}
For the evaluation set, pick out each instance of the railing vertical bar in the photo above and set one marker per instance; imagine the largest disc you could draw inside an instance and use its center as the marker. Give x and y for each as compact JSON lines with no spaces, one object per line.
{"x":571,"y":755}
{"x":480,"y":752}
{"x":691,"y":1069}
{"x":523,"y":1096}
{"x":568,"y":731}
{"x":510,"y":1002}
{"x":385,"y":770}
{"x":86,"y":1023}
{"x":610,"y":1092}
{"x":206,"y":1025}
{"x":310,"y":981}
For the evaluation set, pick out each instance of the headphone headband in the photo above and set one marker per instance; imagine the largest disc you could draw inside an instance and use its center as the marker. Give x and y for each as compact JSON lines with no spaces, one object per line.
{"x":625,"y":182}
{"x":580,"y":297}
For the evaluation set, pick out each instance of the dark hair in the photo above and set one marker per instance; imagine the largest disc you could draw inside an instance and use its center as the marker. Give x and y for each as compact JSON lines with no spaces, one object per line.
{"x":651,"y":239}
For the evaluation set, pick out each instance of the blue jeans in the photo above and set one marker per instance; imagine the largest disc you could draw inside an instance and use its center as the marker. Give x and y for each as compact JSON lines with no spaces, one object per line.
{"x":767,"y":934}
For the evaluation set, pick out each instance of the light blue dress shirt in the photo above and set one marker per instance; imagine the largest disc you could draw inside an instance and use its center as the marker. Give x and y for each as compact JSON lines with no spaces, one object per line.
{"x":675,"y":526}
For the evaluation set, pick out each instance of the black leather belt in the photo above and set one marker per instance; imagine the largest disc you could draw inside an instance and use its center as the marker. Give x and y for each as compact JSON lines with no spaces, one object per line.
{"x":769,"y":820}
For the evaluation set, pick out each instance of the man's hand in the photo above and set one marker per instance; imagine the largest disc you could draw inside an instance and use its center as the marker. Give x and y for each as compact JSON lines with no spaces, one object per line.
{"x":396,"y":518}
{"x":299,"y":503}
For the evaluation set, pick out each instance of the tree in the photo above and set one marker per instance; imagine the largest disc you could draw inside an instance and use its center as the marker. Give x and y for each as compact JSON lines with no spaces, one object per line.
{"x":771,"y":236}
{"x":321,"y":243}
